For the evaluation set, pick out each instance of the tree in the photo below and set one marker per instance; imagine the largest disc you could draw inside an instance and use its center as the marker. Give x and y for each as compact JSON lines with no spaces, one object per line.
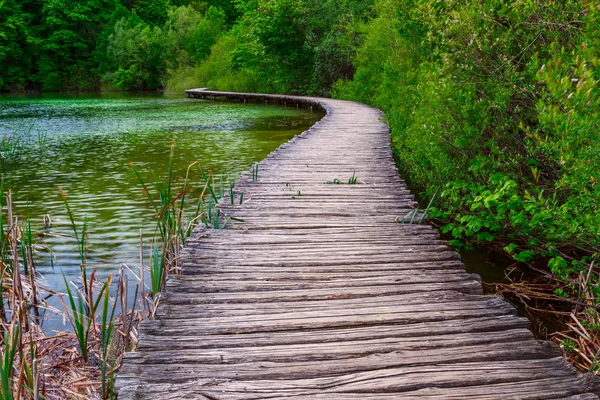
{"x":17,"y":46}
{"x":71,"y":32}
{"x":140,"y":53}
{"x":153,"y":12}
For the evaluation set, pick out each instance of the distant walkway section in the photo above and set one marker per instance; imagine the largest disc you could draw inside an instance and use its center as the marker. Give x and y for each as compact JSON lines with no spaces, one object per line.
{"x":323,"y":293}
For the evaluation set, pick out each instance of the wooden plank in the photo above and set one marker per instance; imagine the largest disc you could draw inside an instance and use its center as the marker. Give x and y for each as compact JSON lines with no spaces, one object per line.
{"x":485,"y":326}
{"x":323,"y":294}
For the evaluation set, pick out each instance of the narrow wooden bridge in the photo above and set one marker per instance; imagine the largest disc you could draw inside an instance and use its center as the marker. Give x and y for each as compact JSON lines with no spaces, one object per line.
{"x":322,"y":294}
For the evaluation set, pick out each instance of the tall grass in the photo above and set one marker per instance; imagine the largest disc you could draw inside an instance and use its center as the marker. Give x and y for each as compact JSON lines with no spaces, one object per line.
{"x":157,"y":270}
{"x":20,"y":364}
{"x":107,"y":328}
{"x":176,"y":220}
{"x":353,"y":180}
{"x":83,"y":312}
{"x":18,"y":372}
{"x":81,"y":236}
{"x":10,"y":147}
{"x":411,"y":216}
{"x":8,"y":354}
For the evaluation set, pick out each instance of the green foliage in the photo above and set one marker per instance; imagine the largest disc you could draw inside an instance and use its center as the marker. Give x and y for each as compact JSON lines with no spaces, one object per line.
{"x":174,"y":223}
{"x":106,"y":331}
{"x":82,"y":315}
{"x":138,"y":51}
{"x":194,"y":33}
{"x":153,"y":12}
{"x":141,"y":56}
{"x":79,"y":319}
{"x":70,"y":33}
{"x":16,"y":46}
{"x":228,"y":7}
{"x":568,"y":345}
{"x":132,"y":45}
{"x":157,"y":270}
{"x":497,"y":104}
{"x":217,"y":71}
{"x":267,"y":45}
{"x":298,"y":46}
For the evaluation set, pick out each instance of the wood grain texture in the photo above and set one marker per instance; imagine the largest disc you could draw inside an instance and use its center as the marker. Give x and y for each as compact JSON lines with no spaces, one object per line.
{"x":322,"y":294}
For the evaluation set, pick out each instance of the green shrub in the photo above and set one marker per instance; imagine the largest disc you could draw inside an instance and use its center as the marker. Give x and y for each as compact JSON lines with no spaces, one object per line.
{"x":498,"y":105}
{"x":216,"y":72}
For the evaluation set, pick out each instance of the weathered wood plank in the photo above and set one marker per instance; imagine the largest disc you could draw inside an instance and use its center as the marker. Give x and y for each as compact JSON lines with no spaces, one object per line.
{"x":486,"y":325}
{"x":322,"y":294}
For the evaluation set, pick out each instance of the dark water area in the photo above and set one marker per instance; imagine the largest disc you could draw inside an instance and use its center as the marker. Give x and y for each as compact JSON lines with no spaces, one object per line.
{"x":489,"y":265}
{"x":83,"y":143}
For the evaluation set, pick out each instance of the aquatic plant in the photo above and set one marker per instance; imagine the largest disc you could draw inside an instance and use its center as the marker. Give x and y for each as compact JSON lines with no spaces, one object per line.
{"x":172,"y":224}
{"x":411,"y":215}
{"x":79,"y":319}
{"x":81,"y":238}
{"x":100,"y":339}
{"x":8,"y":352}
{"x":9,"y":148}
{"x":157,"y":270}
{"x":254,"y":172}
{"x":107,"y":327}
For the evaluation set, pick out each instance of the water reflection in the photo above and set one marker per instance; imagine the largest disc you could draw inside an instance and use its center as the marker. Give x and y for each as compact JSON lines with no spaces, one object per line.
{"x":83,"y":144}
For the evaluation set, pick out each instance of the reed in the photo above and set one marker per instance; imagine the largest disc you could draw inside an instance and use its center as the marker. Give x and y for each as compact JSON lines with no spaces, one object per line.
{"x":12,"y":340}
{"x":411,"y":216}
{"x":174,"y":223}
{"x":107,"y":328}
{"x":79,"y":320}
{"x":29,"y":377}
{"x":157,"y":270}
{"x":10,"y":147}
{"x":18,"y":355}
{"x":81,"y":237}
{"x":209,"y":186}
{"x":28,"y":356}
{"x":13,"y":144}
{"x":42,"y":137}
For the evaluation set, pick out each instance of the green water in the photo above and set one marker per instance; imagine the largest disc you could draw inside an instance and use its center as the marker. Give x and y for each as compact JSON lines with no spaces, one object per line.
{"x":84,"y":143}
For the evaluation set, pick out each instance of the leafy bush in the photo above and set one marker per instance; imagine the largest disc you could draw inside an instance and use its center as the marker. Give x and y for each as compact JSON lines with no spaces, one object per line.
{"x":498,"y":105}
{"x":216,"y":71}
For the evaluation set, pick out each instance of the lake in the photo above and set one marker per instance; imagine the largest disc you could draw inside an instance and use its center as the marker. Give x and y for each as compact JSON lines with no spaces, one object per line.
{"x":84,"y":143}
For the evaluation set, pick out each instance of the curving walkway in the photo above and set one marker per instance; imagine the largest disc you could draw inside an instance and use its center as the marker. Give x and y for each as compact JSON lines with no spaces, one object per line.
{"x":321,"y":294}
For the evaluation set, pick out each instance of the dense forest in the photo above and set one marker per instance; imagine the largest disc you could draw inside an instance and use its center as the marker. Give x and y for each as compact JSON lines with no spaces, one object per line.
{"x":494,"y":105}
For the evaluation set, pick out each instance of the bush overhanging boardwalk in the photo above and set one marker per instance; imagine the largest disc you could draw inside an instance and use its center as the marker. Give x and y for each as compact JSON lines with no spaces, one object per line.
{"x":322,"y":293}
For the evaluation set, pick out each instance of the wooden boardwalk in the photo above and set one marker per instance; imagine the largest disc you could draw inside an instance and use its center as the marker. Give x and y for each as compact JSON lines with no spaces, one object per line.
{"x":321,"y":294}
